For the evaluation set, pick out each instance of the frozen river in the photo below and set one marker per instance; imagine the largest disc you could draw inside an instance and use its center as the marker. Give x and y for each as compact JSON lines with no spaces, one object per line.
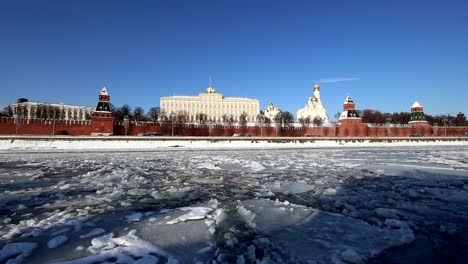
{"x":353,"y":205}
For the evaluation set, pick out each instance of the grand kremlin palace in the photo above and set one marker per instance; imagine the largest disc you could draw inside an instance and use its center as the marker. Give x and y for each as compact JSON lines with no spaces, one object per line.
{"x":213,"y":104}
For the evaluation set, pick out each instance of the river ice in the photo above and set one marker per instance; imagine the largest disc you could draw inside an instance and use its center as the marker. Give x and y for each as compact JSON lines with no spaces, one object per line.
{"x":353,"y":205}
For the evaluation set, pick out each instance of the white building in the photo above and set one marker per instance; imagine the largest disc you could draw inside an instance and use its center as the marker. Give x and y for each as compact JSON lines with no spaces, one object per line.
{"x":213,"y":104}
{"x":271,"y":111}
{"x":31,"y":110}
{"x":314,"y":107}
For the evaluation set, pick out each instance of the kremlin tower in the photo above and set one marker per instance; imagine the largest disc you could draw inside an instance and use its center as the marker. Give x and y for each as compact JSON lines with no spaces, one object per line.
{"x":417,"y":114}
{"x":102,"y":119}
{"x":418,"y":124}
{"x":349,"y":114}
{"x":103,"y":106}
{"x":350,"y":124}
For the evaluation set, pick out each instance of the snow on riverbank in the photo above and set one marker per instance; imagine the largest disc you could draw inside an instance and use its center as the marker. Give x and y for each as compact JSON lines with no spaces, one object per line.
{"x":19,"y":144}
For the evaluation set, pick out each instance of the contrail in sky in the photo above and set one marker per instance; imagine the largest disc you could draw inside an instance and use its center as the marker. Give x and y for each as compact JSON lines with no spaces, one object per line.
{"x":338,"y":79}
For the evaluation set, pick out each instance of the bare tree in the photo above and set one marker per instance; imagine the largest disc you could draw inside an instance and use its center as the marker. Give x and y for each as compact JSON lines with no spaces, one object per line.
{"x":139,"y":113}
{"x":48,"y":111}
{"x":126,"y":110}
{"x":227,"y":119}
{"x":154,"y":113}
{"x":112,"y":107}
{"x":40,"y":111}
{"x":284,"y":119}
{"x":243,"y":119}
{"x":182,"y":117}
{"x":460,"y":120}
{"x":267,"y":122}
{"x":120,"y":113}
{"x":116,"y":112}
{"x":337,"y":115}
{"x":302,"y":122}
{"x":201,"y":118}
{"x":61,"y":114}
{"x":317,"y":121}
{"x":8,"y":111}
{"x":307,"y":121}
{"x":163,"y":117}
{"x":261,"y":118}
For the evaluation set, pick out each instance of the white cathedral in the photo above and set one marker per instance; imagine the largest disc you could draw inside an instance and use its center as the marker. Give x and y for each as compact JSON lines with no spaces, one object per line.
{"x":314,"y":108}
{"x":271,"y":111}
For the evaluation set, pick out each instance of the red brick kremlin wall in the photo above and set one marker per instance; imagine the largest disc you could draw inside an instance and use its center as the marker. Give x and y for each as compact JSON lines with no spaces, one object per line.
{"x":44,"y":127}
{"x":75,"y":128}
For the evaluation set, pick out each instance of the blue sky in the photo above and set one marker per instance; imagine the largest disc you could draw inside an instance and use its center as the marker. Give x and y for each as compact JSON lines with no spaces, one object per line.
{"x":385,"y":54}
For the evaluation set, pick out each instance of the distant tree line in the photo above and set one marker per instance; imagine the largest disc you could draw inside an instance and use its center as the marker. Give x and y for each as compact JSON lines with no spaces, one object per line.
{"x":136,"y":114}
{"x":377,"y":117}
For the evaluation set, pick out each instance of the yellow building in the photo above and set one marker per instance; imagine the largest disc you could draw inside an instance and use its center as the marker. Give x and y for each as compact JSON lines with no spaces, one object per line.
{"x":213,"y":104}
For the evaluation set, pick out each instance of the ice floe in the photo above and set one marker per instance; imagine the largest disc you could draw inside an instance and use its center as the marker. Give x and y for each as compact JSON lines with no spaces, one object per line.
{"x":15,"y":253}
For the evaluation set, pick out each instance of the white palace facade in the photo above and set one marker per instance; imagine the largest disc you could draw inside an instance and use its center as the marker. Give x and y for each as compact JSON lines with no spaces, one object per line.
{"x":213,"y":104}
{"x":31,"y":110}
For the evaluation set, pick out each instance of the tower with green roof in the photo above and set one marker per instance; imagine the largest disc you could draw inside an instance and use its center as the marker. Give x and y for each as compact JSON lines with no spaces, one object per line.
{"x":417,"y":114}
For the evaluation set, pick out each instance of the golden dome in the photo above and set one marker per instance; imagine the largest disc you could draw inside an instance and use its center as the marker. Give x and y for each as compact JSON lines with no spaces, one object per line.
{"x":314,"y":99}
{"x":316,"y":87}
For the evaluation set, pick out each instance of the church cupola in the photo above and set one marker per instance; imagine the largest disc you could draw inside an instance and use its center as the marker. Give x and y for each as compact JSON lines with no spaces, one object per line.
{"x":314,"y":99}
{"x":316,"y":87}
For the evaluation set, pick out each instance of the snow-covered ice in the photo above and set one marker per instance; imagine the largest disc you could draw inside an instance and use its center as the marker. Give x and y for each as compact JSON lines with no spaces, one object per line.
{"x":135,"y":217}
{"x":194,"y":213}
{"x":93,"y":232}
{"x":16,"y":252}
{"x":57,"y":241}
{"x":296,"y":205}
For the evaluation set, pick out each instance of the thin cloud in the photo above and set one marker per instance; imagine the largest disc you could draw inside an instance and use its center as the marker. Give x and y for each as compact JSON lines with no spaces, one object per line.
{"x":338,"y":79}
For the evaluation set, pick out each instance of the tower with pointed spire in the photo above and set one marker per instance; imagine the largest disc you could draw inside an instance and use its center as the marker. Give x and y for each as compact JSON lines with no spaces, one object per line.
{"x":350,"y":123}
{"x":102,"y":121}
{"x":103,"y":106}
{"x":349,"y":114}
